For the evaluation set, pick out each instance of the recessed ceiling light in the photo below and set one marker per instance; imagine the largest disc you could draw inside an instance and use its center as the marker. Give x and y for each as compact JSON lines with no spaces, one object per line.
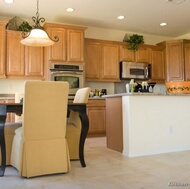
{"x":163,"y":24}
{"x":9,"y":1}
{"x":70,"y":9}
{"x":120,"y":17}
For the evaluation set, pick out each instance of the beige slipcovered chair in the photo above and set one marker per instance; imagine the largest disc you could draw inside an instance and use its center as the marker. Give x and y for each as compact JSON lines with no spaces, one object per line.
{"x":39,"y":146}
{"x":74,"y":124}
{"x":18,"y":97}
{"x":10,"y":128}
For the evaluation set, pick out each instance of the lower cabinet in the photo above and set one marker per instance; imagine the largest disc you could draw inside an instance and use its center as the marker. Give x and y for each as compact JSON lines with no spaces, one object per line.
{"x":10,"y":116}
{"x":96,"y":110}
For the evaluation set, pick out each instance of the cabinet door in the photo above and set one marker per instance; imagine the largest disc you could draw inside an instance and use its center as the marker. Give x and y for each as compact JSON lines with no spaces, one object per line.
{"x":58,"y":50}
{"x":96,"y":120}
{"x":187,"y":62}
{"x":2,"y":50}
{"x":110,"y":62}
{"x":126,"y":54}
{"x":92,"y":60}
{"x":75,"y":45}
{"x":34,"y":62}
{"x":15,"y":54}
{"x":142,"y":54}
{"x":157,"y":64}
{"x":97,"y":115}
{"x":174,"y":61}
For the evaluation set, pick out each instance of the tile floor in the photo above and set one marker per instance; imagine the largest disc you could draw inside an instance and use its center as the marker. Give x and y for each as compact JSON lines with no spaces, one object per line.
{"x":107,"y":169}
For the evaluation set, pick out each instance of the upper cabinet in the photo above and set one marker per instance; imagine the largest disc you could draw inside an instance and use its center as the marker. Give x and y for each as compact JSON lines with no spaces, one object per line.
{"x":101,"y":60}
{"x":177,"y":54}
{"x":187,"y":61}
{"x":141,"y":55}
{"x":23,"y":61}
{"x":157,"y":64}
{"x":70,"y":47}
{"x":2,"y":49}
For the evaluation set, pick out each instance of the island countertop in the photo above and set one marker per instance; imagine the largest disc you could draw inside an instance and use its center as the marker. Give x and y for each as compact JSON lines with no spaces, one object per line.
{"x":142,"y":94}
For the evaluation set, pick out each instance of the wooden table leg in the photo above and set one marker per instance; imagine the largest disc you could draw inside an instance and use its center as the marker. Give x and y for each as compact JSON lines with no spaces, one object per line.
{"x":84,"y":132}
{"x":3,"y":114}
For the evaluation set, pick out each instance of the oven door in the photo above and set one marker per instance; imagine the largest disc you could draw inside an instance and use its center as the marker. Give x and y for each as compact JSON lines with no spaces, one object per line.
{"x":74,"y":78}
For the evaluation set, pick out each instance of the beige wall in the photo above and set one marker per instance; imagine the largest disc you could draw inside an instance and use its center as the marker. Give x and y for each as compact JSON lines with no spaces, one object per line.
{"x":115,"y":35}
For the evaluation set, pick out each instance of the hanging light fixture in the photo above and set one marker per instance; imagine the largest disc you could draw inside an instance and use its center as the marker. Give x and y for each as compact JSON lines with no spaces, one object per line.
{"x":37,"y":37}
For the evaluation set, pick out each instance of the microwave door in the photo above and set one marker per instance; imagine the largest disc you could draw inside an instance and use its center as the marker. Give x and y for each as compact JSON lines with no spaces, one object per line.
{"x":137,"y":72}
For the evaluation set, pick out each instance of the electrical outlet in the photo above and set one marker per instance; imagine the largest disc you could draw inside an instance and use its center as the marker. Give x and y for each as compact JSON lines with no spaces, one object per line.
{"x":170,"y":129}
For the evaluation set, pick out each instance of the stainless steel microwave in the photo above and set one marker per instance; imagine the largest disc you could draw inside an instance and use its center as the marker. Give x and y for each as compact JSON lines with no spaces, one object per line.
{"x":135,"y":70}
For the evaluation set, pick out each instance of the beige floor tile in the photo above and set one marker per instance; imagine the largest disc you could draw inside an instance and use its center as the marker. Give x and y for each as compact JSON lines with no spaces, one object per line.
{"x":108,"y":169}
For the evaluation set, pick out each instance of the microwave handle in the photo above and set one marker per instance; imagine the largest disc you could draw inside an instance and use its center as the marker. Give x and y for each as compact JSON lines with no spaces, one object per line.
{"x":146,"y":72}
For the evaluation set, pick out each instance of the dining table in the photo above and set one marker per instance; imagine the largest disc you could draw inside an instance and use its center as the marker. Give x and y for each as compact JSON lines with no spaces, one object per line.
{"x":17,"y":108}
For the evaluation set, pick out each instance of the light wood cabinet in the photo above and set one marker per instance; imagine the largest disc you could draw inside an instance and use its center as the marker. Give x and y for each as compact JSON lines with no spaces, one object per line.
{"x":187,"y":61}
{"x":23,"y":61}
{"x":126,"y":54}
{"x":141,"y":55}
{"x":101,"y":61}
{"x":2,"y":49}
{"x":157,"y":64}
{"x":58,"y":50}
{"x":92,"y":56}
{"x":15,"y":54}
{"x":110,"y":62}
{"x":96,"y":111}
{"x":175,"y":57}
{"x":70,"y":46}
{"x":10,"y":116}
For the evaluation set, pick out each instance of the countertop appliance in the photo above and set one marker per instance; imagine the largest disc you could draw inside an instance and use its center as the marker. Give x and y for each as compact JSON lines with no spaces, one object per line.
{"x":135,"y":70}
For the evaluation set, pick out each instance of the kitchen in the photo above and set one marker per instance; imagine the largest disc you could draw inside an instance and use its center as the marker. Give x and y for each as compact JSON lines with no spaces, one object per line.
{"x":14,"y":84}
{"x":92,"y":36}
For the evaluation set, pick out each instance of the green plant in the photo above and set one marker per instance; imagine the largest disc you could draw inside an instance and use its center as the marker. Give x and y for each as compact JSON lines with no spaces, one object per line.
{"x":134,"y":41}
{"x":25,"y":27}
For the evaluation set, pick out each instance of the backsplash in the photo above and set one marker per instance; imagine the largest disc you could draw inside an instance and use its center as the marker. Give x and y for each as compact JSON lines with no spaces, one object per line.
{"x":121,"y":88}
{"x":101,"y":85}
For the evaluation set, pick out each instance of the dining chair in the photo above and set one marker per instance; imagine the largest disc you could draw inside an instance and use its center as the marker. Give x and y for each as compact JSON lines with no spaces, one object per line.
{"x":9,"y":130}
{"x":18,"y":97}
{"x":40,"y":146}
{"x":74,"y":124}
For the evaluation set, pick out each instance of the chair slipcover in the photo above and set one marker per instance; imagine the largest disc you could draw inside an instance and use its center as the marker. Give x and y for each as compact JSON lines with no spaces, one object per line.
{"x":39,"y":146}
{"x":18,"y":97}
{"x":74,"y":124}
{"x":9,"y":130}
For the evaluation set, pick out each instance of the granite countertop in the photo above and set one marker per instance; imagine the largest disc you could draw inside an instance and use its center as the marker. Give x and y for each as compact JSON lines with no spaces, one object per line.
{"x":142,"y":94}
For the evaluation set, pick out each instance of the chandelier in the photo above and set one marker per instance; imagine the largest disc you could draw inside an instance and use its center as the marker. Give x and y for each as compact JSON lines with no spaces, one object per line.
{"x":37,"y":37}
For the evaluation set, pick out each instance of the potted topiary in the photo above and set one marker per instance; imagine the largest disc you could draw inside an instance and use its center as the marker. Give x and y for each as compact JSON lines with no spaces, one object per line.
{"x":134,"y":41}
{"x":25,"y":27}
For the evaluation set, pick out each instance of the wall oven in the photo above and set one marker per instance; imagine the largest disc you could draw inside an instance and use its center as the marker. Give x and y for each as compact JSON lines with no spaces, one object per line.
{"x":72,"y":73}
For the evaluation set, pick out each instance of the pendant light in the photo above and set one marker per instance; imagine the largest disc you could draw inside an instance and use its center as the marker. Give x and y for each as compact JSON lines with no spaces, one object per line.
{"x":37,"y":37}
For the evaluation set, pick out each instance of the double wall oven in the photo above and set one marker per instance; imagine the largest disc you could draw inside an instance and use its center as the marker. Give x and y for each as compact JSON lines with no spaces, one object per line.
{"x":72,"y":73}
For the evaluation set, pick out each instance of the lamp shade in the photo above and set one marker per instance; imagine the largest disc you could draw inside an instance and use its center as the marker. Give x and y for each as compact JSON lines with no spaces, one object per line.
{"x":37,"y":38}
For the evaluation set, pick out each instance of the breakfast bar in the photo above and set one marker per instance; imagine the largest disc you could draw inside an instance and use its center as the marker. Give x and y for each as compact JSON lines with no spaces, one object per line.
{"x":150,"y":123}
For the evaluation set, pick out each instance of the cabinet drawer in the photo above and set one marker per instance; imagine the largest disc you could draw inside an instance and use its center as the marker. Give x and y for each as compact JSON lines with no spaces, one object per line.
{"x":96,"y":102}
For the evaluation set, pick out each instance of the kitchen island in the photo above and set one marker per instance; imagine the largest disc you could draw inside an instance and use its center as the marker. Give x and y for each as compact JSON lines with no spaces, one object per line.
{"x":147,"y":123}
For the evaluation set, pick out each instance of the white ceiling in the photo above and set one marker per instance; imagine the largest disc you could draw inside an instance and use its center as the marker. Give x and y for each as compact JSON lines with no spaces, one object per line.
{"x":141,"y":16}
